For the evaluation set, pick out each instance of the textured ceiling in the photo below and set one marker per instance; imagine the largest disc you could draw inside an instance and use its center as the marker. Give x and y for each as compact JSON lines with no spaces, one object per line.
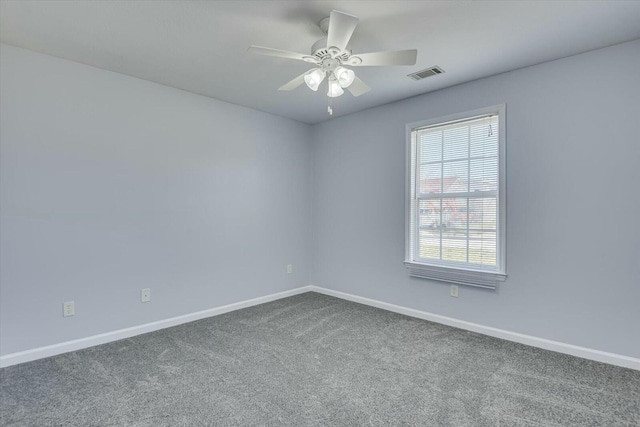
{"x":200,"y":46}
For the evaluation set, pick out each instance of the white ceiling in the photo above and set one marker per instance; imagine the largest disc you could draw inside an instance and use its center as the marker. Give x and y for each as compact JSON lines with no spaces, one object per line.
{"x":200,"y":46}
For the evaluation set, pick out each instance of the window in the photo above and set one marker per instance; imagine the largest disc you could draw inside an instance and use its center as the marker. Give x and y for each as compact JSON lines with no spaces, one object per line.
{"x":455,"y":229}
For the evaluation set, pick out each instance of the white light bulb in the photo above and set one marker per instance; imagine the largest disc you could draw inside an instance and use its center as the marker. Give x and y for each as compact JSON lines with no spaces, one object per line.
{"x":345,"y":76}
{"x":313,"y":78}
{"x":334,"y":88}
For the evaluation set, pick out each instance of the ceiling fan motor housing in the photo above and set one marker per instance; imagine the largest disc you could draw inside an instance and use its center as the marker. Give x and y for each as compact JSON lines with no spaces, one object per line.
{"x":321,"y":51}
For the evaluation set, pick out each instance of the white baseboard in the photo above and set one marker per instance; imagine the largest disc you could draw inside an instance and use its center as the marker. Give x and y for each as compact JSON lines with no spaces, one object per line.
{"x":573,"y":350}
{"x":65,"y":347}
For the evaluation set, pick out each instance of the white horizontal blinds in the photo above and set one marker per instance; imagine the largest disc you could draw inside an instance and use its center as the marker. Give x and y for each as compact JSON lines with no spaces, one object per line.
{"x":412,"y":197}
{"x":455,"y":193}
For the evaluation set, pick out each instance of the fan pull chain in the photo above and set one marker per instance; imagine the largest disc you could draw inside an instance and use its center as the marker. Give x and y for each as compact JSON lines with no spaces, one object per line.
{"x":329,"y":109}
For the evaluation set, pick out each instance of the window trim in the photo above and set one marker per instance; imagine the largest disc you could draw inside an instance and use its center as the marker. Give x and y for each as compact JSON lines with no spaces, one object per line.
{"x":463,"y":275}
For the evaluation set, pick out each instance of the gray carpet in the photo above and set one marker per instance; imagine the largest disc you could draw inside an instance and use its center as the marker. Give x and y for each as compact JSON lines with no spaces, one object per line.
{"x":317,"y":360}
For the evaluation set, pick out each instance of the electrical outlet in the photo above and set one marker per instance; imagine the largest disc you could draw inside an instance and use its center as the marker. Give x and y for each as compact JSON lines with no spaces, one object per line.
{"x":454,"y":291}
{"x":145,"y":295}
{"x":289,"y":268}
{"x":68,"y":309}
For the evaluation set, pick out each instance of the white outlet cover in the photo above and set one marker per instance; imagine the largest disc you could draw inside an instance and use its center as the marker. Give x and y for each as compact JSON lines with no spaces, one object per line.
{"x":454,"y":291}
{"x":145,"y":295}
{"x":68,"y":308}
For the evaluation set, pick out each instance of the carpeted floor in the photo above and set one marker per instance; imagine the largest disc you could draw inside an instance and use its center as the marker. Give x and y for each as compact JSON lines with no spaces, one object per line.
{"x":317,"y":360}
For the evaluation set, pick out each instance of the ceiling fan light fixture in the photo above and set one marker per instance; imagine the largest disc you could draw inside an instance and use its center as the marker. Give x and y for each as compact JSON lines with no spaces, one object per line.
{"x":344,"y":76}
{"x":334,"y":88}
{"x":332,"y":55}
{"x":313,"y":78}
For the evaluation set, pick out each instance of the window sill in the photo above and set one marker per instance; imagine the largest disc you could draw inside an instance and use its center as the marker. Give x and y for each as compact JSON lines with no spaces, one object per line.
{"x":482,"y":279}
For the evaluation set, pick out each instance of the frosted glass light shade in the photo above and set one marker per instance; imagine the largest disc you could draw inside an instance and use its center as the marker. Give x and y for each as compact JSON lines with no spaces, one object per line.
{"x":334,"y":89}
{"x":345,"y":76}
{"x":313,"y":78}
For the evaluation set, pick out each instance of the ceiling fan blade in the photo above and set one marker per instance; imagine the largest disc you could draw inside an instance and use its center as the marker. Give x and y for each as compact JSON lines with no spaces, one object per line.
{"x":292,"y":84}
{"x":375,"y":59}
{"x":341,"y":27}
{"x":358,"y":87}
{"x":259,"y":50}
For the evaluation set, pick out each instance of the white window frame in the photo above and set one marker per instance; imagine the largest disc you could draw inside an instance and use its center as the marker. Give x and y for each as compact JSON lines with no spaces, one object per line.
{"x":463,"y":275}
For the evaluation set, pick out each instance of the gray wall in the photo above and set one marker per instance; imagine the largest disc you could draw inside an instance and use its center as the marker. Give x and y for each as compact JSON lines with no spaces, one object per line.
{"x":110,"y":184}
{"x":573,"y":202}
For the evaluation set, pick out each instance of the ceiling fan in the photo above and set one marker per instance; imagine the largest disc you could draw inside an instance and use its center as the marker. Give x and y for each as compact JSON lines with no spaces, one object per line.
{"x":332,"y":56}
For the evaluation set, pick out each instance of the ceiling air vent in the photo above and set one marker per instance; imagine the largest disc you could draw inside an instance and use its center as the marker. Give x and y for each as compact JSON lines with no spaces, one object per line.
{"x":428,"y":72}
